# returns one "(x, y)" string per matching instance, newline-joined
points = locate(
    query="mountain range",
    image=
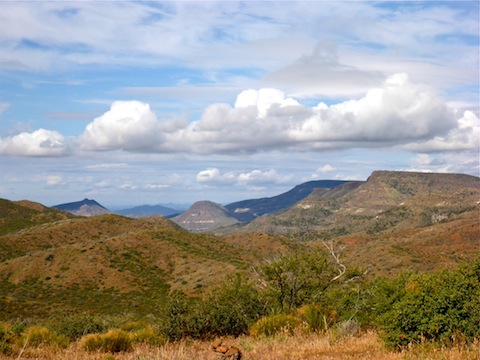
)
(52, 260)
(206, 215)
(209, 216)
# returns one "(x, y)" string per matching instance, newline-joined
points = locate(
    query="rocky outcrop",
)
(226, 351)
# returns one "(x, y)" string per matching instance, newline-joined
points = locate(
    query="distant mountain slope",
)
(247, 210)
(86, 207)
(205, 216)
(148, 210)
(17, 215)
(388, 200)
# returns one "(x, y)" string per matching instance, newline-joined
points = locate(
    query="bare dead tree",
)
(341, 268)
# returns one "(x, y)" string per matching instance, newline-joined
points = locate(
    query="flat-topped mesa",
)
(410, 183)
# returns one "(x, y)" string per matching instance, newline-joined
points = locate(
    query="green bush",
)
(439, 307)
(177, 320)
(74, 326)
(227, 310)
(114, 341)
(274, 324)
(294, 279)
(233, 307)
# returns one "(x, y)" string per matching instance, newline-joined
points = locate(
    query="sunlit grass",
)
(299, 346)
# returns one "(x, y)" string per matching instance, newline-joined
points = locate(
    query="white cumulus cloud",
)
(213, 175)
(128, 125)
(262, 100)
(37, 143)
(465, 136)
(258, 176)
(327, 168)
(400, 113)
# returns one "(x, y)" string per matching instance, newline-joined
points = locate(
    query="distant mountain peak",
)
(205, 216)
(85, 207)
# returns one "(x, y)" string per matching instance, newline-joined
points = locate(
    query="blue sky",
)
(135, 103)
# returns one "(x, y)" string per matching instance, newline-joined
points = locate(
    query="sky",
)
(133, 103)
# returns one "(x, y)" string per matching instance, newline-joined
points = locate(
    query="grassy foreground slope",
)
(298, 347)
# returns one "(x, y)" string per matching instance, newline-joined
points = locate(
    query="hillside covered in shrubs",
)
(292, 294)
(394, 261)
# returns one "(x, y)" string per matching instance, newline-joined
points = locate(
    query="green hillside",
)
(110, 264)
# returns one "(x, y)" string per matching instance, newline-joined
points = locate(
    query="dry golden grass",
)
(283, 347)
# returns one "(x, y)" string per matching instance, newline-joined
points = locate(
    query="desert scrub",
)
(275, 324)
(114, 341)
(37, 336)
(148, 335)
(317, 317)
(74, 326)
(144, 333)
(346, 328)
(9, 335)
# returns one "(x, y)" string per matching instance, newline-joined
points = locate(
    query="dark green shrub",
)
(435, 307)
(376, 298)
(233, 307)
(228, 310)
(292, 280)
(178, 319)
(74, 326)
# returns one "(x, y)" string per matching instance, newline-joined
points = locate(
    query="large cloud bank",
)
(400, 113)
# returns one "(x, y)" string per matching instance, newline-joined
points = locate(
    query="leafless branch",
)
(336, 256)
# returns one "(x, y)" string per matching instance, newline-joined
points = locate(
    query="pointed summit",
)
(86, 207)
(205, 216)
